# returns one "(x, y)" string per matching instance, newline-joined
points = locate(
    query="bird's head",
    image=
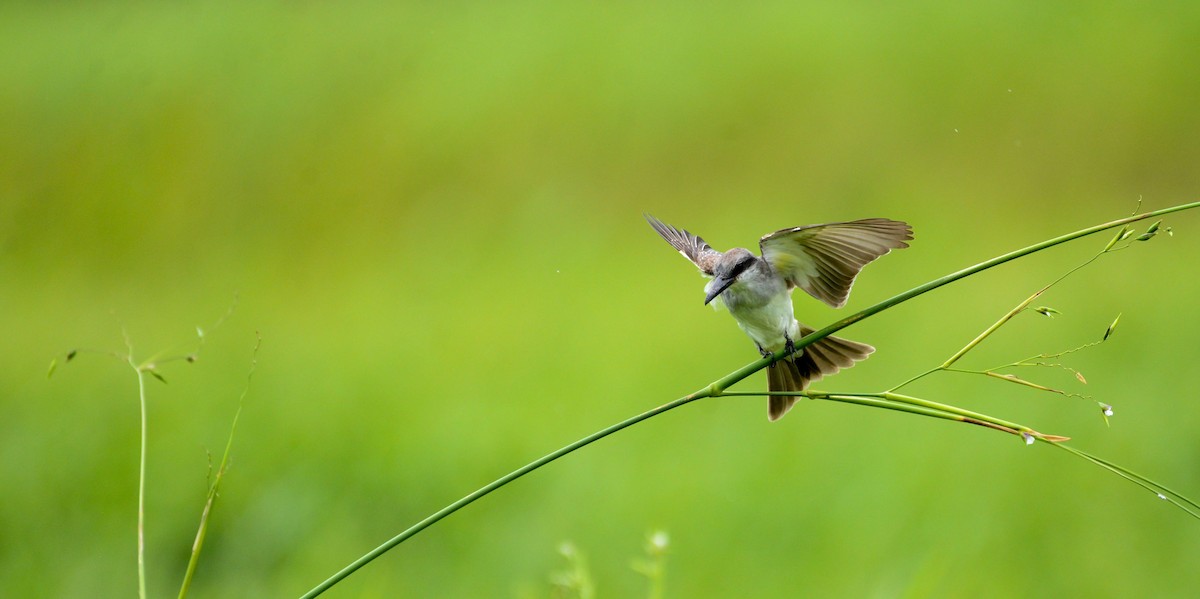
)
(729, 267)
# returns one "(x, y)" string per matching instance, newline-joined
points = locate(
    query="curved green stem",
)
(500, 482)
(716, 388)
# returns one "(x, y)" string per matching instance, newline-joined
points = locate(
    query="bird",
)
(823, 260)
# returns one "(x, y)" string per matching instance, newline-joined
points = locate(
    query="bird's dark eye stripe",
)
(742, 266)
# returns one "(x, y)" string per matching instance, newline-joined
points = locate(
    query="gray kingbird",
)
(823, 260)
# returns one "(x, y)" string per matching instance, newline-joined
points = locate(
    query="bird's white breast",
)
(762, 306)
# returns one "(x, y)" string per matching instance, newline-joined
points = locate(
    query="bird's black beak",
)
(719, 285)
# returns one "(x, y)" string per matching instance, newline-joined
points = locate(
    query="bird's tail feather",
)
(820, 359)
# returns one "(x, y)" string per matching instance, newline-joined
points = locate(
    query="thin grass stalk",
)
(141, 517)
(1166, 494)
(209, 501)
(215, 488)
(1021, 307)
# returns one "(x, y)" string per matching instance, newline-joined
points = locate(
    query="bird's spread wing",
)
(824, 259)
(692, 247)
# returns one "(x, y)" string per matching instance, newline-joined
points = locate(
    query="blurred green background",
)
(432, 215)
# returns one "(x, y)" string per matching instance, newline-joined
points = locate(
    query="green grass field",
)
(433, 217)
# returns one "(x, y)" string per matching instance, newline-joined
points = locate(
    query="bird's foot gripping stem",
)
(764, 353)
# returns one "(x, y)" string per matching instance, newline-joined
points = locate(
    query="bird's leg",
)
(789, 348)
